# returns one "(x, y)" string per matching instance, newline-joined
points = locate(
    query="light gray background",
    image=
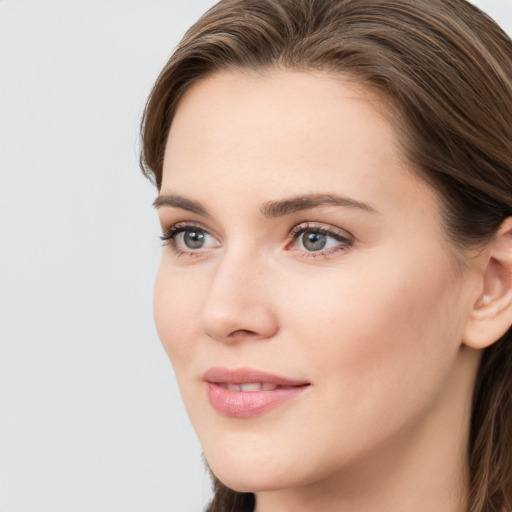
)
(90, 416)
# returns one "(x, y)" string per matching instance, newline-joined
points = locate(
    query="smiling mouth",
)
(250, 386)
(248, 379)
(245, 393)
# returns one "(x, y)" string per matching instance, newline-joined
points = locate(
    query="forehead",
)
(283, 129)
(276, 104)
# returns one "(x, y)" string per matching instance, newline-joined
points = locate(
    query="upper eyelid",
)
(172, 232)
(301, 225)
(183, 225)
(340, 234)
(325, 228)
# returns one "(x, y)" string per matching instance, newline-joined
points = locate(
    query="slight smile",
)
(244, 392)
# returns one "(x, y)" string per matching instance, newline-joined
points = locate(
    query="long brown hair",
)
(445, 70)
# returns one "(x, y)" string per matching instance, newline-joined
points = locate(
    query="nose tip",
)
(238, 306)
(233, 326)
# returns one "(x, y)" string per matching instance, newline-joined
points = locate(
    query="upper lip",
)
(248, 375)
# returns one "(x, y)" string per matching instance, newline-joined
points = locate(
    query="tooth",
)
(234, 387)
(251, 386)
(267, 386)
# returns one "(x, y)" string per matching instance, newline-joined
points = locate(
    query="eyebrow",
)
(176, 201)
(272, 209)
(308, 202)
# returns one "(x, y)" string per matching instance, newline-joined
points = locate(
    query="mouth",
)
(248, 386)
(245, 393)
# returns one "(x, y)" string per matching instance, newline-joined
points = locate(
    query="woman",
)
(335, 291)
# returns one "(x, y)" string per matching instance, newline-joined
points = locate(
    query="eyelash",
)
(345, 240)
(170, 234)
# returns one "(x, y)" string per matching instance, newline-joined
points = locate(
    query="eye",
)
(313, 241)
(193, 239)
(186, 238)
(317, 239)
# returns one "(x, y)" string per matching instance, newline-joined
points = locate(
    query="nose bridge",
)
(238, 303)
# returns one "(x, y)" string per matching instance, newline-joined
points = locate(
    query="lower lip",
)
(247, 404)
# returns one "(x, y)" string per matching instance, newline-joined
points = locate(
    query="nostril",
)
(241, 334)
(245, 332)
(228, 317)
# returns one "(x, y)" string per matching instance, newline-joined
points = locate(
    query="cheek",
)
(175, 307)
(378, 331)
(387, 293)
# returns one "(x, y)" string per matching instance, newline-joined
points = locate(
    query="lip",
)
(247, 404)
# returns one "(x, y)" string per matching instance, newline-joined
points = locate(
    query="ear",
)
(491, 314)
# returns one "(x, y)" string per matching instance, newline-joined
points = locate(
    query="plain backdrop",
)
(90, 415)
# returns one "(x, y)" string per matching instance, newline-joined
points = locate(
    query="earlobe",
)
(491, 315)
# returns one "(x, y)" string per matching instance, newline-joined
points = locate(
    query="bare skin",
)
(387, 334)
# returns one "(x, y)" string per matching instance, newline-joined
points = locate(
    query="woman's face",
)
(306, 296)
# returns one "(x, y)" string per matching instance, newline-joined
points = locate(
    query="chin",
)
(258, 474)
(252, 481)
(244, 477)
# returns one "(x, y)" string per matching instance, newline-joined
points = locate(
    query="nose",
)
(238, 305)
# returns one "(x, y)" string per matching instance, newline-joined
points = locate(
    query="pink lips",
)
(244, 393)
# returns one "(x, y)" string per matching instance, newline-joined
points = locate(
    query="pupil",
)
(194, 239)
(314, 241)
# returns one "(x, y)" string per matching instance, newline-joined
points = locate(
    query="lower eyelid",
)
(172, 232)
(333, 252)
(173, 238)
(343, 241)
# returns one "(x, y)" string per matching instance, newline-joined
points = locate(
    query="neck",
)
(424, 467)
